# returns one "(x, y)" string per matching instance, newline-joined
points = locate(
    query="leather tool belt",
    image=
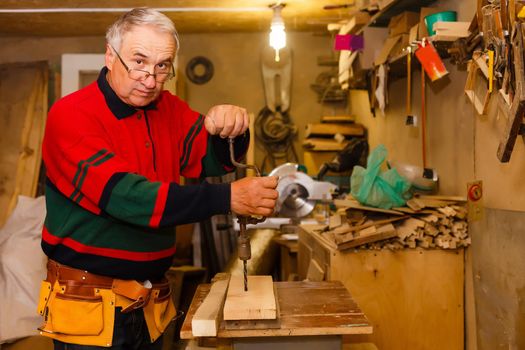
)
(79, 307)
(81, 280)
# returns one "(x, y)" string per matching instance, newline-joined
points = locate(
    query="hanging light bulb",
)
(277, 33)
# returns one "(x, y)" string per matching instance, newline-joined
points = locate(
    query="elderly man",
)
(114, 153)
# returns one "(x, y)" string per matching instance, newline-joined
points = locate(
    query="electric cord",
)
(275, 132)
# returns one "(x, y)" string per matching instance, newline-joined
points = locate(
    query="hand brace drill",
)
(243, 242)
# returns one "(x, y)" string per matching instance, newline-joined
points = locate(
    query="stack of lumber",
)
(324, 140)
(427, 222)
(332, 134)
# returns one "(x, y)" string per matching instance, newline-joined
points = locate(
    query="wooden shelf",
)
(382, 17)
(397, 65)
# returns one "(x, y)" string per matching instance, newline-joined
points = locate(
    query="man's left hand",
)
(227, 121)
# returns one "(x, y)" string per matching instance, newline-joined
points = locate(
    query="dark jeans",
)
(129, 333)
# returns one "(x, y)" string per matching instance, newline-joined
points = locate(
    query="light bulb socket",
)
(279, 5)
(277, 8)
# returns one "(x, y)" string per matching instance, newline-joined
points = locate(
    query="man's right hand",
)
(253, 196)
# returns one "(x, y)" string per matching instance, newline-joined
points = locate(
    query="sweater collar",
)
(118, 107)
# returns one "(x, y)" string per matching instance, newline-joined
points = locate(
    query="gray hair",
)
(136, 17)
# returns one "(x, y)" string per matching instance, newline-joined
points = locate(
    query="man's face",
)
(142, 48)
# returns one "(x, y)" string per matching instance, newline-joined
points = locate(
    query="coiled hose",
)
(275, 132)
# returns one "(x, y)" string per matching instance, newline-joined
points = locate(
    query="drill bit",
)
(244, 248)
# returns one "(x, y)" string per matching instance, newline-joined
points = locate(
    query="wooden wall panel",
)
(498, 243)
(23, 110)
(413, 298)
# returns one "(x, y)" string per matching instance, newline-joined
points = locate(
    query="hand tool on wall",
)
(423, 119)
(462, 49)
(491, 69)
(243, 242)
(410, 119)
(515, 110)
(274, 128)
(504, 16)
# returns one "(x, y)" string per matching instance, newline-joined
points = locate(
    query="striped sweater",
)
(113, 196)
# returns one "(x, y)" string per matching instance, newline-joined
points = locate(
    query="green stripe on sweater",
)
(97, 159)
(133, 199)
(81, 163)
(190, 143)
(83, 177)
(67, 219)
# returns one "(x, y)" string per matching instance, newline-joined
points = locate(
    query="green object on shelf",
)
(445, 16)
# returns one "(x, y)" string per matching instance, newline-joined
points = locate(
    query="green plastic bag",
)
(379, 189)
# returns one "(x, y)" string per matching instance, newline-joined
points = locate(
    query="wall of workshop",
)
(461, 146)
(236, 58)
(26, 49)
(238, 77)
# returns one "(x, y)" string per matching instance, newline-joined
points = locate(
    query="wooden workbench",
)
(305, 309)
(412, 297)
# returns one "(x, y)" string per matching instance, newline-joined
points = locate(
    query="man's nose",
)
(149, 82)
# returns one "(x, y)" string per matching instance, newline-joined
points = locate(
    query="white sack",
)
(22, 268)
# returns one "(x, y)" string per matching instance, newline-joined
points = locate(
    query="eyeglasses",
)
(138, 74)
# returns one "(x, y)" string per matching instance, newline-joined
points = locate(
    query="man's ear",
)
(109, 57)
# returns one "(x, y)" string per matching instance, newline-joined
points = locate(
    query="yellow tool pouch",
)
(43, 299)
(77, 314)
(159, 312)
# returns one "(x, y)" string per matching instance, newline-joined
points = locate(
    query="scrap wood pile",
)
(427, 222)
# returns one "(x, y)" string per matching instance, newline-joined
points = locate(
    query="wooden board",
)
(190, 16)
(345, 203)
(258, 303)
(315, 272)
(23, 111)
(332, 129)
(305, 308)
(477, 80)
(498, 268)
(338, 119)
(516, 109)
(369, 235)
(444, 198)
(254, 324)
(371, 223)
(206, 320)
(319, 144)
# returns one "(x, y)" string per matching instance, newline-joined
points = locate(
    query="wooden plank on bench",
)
(206, 320)
(258, 303)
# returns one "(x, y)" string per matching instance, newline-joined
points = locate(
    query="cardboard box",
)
(373, 37)
(401, 45)
(392, 47)
(402, 23)
(453, 30)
